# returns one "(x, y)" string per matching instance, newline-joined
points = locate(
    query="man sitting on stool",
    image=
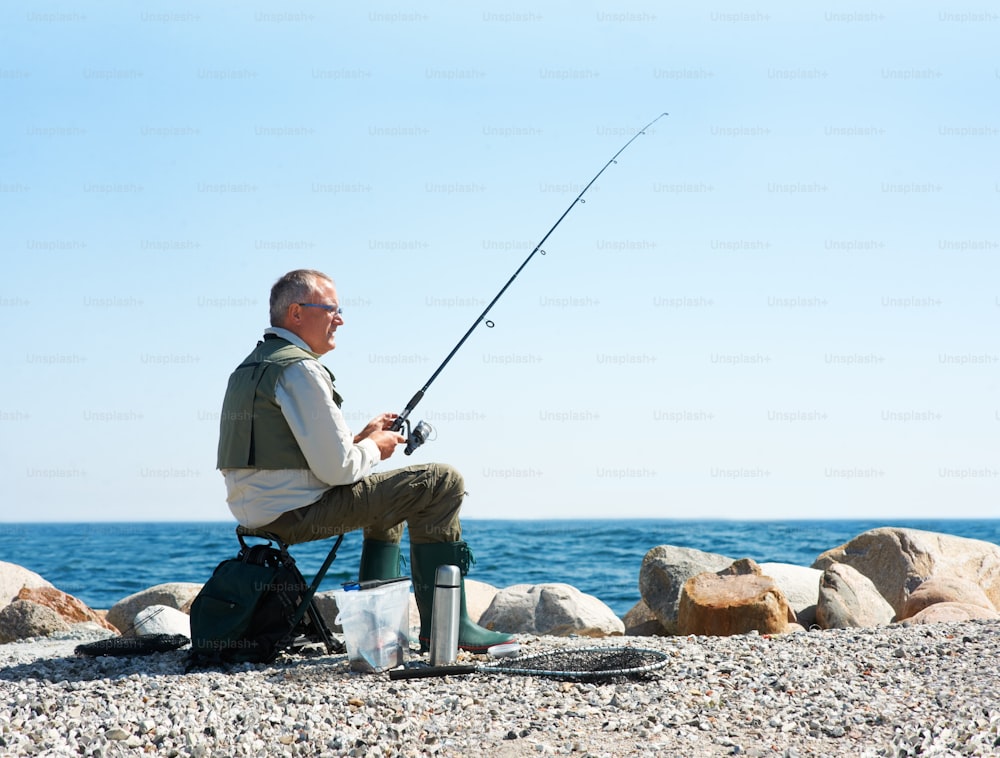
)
(293, 468)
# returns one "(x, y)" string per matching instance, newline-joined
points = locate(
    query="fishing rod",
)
(417, 435)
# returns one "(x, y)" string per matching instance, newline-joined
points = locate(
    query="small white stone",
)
(162, 619)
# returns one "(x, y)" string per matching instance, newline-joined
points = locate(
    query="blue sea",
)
(100, 563)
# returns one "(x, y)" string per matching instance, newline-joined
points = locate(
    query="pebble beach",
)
(929, 690)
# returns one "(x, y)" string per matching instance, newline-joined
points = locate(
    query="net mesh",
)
(590, 664)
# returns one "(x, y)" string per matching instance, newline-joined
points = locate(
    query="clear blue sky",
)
(782, 302)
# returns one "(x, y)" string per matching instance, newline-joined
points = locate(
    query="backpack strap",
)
(265, 555)
(256, 553)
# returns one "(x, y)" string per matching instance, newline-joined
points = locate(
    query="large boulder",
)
(801, 587)
(944, 589)
(898, 560)
(478, 597)
(72, 610)
(557, 609)
(177, 595)
(22, 619)
(662, 575)
(735, 600)
(949, 612)
(13, 578)
(848, 598)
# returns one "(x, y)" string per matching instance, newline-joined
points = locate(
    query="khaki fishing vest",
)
(253, 432)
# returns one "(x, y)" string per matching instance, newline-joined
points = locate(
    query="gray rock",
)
(177, 595)
(555, 609)
(847, 598)
(899, 560)
(640, 621)
(478, 597)
(22, 619)
(801, 587)
(326, 604)
(663, 573)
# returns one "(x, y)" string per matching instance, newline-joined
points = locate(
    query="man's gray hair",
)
(294, 287)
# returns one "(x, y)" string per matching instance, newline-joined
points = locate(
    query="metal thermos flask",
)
(444, 616)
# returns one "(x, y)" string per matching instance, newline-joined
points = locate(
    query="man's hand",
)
(386, 441)
(378, 431)
(382, 422)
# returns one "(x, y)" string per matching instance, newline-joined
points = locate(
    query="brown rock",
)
(736, 600)
(899, 560)
(943, 612)
(944, 589)
(72, 610)
(13, 578)
(662, 575)
(741, 567)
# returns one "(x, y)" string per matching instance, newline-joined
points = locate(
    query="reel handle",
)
(416, 436)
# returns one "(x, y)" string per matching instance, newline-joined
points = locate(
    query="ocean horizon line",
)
(888, 520)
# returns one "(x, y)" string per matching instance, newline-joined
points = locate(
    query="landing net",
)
(584, 664)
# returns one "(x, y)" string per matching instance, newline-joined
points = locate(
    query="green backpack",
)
(254, 607)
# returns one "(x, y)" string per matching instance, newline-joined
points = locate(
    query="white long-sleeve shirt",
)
(257, 497)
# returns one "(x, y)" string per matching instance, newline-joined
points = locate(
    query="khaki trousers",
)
(426, 497)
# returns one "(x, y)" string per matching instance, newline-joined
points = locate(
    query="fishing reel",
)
(417, 436)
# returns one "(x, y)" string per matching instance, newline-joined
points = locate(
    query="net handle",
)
(421, 672)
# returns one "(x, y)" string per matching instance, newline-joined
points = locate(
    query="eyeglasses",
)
(335, 310)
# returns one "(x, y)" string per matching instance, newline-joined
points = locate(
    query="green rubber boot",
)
(379, 560)
(424, 561)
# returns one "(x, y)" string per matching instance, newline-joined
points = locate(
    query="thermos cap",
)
(448, 576)
(504, 650)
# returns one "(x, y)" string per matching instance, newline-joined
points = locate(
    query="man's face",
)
(316, 325)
